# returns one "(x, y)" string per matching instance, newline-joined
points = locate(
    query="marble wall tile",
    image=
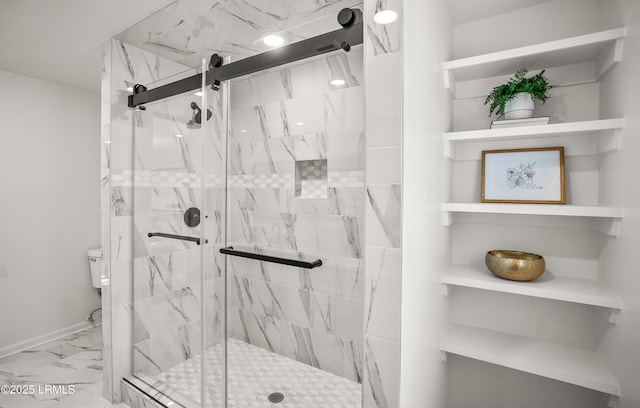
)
(382, 374)
(214, 311)
(261, 331)
(384, 87)
(331, 235)
(382, 38)
(353, 360)
(158, 354)
(338, 316)
(135, 399)
(153, 276)
(152, 317)
(313, 348)
(384, 165)
(383, 293)
(346, 151)
(340, 277)
(200, 27)
(294, 81)
(384, 132)
(384, 84)
(384, 226)
(340, 236)
(336, 111)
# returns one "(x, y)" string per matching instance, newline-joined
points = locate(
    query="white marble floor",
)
(46, 373)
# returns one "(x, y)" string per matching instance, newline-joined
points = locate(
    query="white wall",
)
(50, 211)
(619, 186)
(544, 22)
(425, 254)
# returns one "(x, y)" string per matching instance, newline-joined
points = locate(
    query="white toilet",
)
(95, 262)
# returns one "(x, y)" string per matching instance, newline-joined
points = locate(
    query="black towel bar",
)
(274, 259)
(180, 237)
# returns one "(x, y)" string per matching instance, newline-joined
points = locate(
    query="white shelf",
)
(548, 286)
(607, 218)
(563, 363)
(605, 48)
(607, 131)
(535, 209)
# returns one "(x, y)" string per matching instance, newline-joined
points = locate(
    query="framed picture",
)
(531, 176)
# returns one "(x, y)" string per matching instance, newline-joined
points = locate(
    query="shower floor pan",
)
(255, 373)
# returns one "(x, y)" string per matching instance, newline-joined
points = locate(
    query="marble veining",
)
(383, 293)
(186, 30)
(382, 382)
(383, 38)
(73, 360)
(384, 203)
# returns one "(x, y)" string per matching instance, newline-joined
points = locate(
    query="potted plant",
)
(515, 98)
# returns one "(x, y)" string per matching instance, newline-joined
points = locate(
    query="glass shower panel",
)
(174, 231)
(296, 191)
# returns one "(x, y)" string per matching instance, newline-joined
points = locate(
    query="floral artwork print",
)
(521, 177)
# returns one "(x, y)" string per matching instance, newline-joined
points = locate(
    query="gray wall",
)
(50, 217)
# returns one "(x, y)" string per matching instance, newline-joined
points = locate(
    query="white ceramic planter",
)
(520, 107)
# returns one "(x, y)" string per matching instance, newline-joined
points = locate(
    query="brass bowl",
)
(515, 265)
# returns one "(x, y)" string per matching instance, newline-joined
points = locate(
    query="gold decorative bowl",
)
(515, 265)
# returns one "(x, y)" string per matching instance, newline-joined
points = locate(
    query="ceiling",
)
(60, 40)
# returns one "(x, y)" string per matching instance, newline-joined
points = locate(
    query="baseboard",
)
(45, 338)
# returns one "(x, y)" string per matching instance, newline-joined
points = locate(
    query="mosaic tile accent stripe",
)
(254, 373)
(336, 179)
(150, 178)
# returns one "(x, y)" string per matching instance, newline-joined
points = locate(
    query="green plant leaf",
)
(538, 86)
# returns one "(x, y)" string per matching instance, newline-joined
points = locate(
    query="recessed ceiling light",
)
(178, 135)
(273, 40)
(107, 141)
(130, 89)
(338, 82)
(243, 131)
(299, 123)
(199, 93)
(385, 16)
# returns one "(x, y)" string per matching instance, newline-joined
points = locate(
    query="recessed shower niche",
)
(311, 179)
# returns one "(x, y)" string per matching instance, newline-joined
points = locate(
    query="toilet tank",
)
(95, 263)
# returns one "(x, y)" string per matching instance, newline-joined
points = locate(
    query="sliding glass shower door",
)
(178, 191)
(247, 269)
(296, 193)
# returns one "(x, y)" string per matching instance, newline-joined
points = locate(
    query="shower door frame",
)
(217, 79)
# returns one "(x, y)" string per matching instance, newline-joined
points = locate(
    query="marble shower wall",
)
(153, 292)
(383, 271)
(185, 30)
(277, 119)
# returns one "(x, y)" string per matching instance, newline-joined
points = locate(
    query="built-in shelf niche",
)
(607, 219)
(572, 365)
(549, 286)
(594, 54)
(311, 179)
(584, 138)
(571, 61)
